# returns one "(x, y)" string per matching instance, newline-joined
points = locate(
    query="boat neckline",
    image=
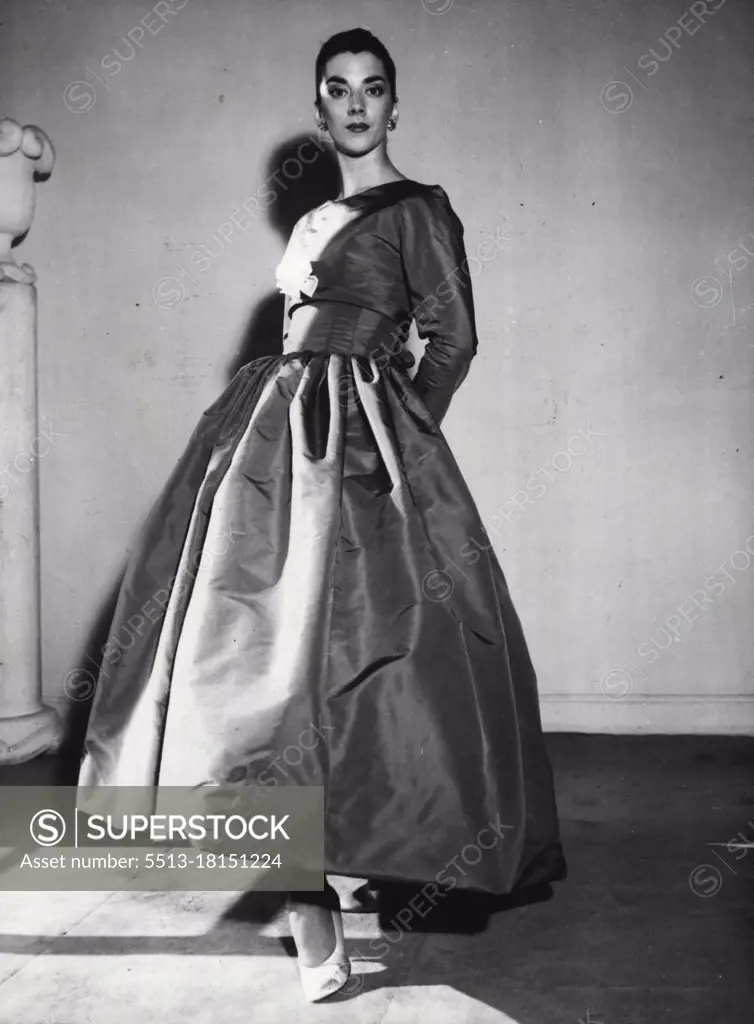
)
(383, 184)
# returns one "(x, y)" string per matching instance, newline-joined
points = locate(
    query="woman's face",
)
(355, 102)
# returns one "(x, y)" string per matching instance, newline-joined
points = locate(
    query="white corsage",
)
(294, 275)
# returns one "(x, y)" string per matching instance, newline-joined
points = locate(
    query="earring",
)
(321, 131)
(391, 124)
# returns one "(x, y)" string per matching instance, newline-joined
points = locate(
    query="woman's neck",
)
(360, 173)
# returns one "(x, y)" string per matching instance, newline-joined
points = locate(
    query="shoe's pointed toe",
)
(326, 979)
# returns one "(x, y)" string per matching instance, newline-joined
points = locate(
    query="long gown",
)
(312, 600)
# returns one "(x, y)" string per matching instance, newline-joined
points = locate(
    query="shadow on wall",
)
(313, 183)
(317, 182)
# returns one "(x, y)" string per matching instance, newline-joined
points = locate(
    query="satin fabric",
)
(304, 607)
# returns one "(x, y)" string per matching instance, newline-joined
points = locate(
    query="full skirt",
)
(313, 600)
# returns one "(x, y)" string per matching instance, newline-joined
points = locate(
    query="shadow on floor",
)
(654, 923)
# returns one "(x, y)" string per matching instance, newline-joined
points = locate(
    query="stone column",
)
(27, 727)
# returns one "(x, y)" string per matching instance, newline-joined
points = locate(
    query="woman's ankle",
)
(310, 916)
(326, 898)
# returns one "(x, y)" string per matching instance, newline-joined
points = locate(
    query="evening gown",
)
(313, 599)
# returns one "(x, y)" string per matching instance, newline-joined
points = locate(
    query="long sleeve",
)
(440, 294)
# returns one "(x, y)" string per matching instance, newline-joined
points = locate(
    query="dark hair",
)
(356, 40)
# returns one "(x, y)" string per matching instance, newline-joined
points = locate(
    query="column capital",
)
(26, 156)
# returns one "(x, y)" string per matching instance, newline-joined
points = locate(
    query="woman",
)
(332, 599)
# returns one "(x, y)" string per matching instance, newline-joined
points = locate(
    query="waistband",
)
(343, 329)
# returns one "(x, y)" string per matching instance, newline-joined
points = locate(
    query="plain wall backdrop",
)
(605, 428)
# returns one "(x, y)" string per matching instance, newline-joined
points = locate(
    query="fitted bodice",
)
(357, 272)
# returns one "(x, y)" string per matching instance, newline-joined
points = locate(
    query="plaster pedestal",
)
(27, 727)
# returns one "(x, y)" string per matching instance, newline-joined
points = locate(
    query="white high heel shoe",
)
(331, 975)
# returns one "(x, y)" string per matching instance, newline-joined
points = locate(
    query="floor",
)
(654, 924)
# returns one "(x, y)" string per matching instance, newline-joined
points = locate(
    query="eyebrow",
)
(342, 81)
